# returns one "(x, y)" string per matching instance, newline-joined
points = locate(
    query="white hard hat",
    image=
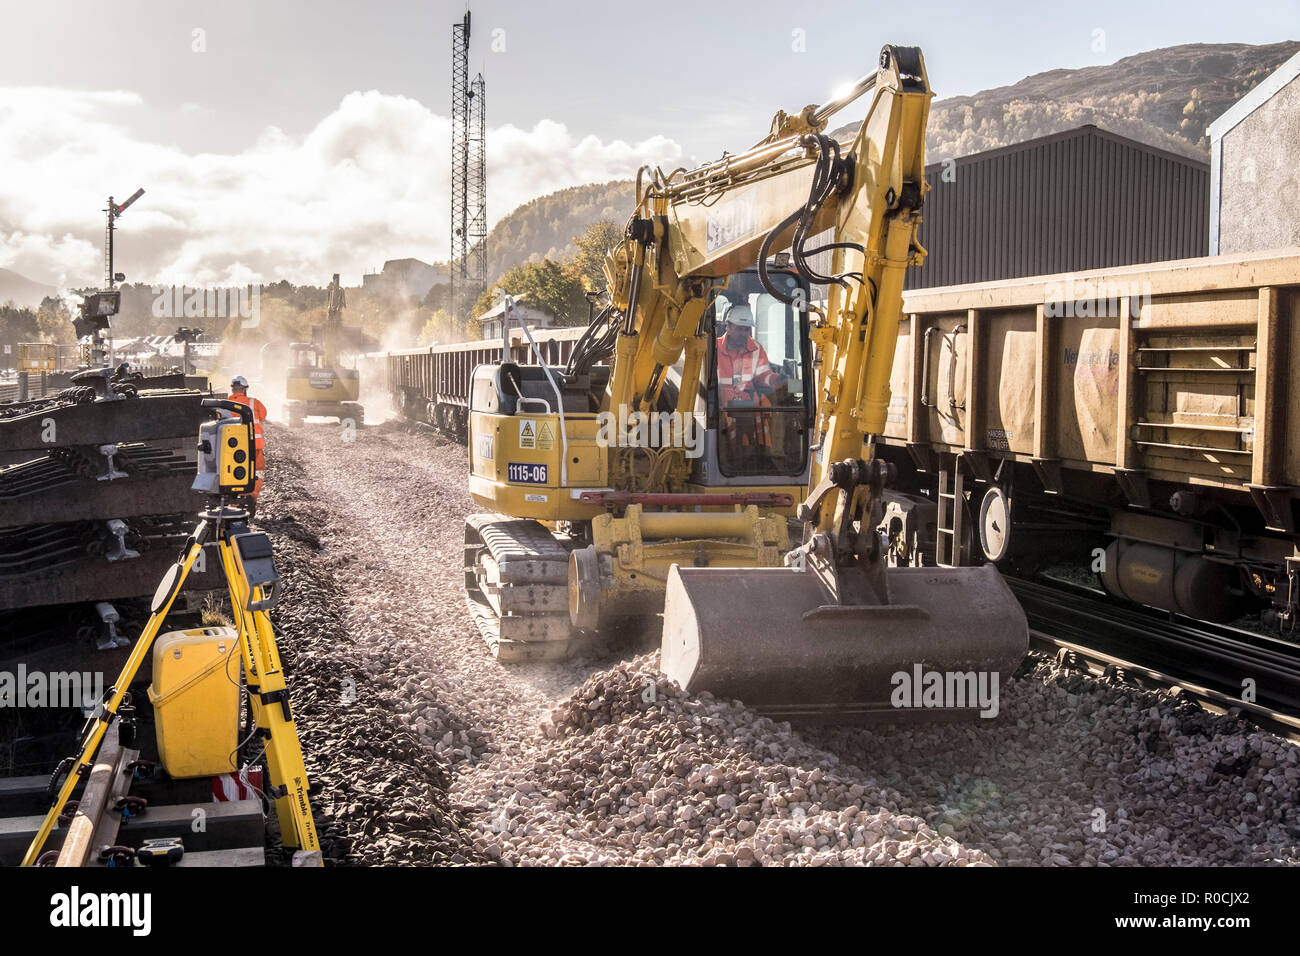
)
(739, 314)
(239, 381)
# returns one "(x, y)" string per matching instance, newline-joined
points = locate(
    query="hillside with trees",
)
(545, 228)
(22, 292)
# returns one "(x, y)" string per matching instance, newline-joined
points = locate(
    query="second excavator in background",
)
(715, 405)
(317, 383)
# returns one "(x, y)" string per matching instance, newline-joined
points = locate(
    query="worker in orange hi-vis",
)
(239, 393)
(745, 380)
(745, 373)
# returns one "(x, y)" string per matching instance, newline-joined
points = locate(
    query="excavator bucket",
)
(942, 647)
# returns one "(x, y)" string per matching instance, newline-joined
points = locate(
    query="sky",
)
(296, 138)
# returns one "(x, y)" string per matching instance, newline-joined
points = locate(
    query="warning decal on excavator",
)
(545, 437)
(528, 433)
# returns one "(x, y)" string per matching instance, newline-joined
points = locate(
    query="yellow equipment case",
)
(196, 700)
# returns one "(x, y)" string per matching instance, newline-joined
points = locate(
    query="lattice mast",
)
(476, 191)
(468, 178)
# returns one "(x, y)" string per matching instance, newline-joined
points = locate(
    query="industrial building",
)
(403, 278)
(1068, 202)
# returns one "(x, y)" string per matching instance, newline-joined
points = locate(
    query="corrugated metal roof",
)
(1081, 199)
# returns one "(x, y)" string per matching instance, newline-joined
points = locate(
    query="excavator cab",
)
(759, 403)
(313, 386)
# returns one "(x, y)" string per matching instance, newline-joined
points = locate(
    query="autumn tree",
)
(438, 297)
(595, 241)
(55, 321)
(546, 285)
(17, 325)
(440, 329)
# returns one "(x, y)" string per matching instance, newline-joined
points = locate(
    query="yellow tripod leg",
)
(269, 696)
(162, 602)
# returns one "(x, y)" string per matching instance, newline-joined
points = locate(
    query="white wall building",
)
(1255, 167)
(490, 321)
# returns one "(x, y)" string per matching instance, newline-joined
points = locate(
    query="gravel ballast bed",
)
(382, 796)
(601, 761)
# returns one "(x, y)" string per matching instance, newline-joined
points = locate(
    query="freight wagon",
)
(432, 384)
(1145, 419)
(1141, 420)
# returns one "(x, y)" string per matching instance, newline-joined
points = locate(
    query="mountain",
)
(22, 291)
(1164, 98)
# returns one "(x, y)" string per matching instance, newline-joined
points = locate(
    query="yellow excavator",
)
(316, 382)
(712, 407)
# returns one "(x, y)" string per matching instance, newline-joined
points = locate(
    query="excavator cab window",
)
(303, 356)
(760, 371)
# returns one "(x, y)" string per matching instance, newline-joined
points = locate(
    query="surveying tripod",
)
(226, 469)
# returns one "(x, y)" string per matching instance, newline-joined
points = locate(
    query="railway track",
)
(125, 804)
(1225, 669)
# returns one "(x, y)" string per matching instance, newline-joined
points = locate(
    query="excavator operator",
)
(745, 373)
(745, 381)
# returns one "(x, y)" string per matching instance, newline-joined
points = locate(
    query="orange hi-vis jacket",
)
(742, 372)
(259, 439)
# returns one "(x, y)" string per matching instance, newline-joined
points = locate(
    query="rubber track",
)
(532, 572)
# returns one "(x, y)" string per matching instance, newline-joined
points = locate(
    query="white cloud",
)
(44, 256)
(370, 182)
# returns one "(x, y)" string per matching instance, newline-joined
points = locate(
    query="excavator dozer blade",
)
(768, 637)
